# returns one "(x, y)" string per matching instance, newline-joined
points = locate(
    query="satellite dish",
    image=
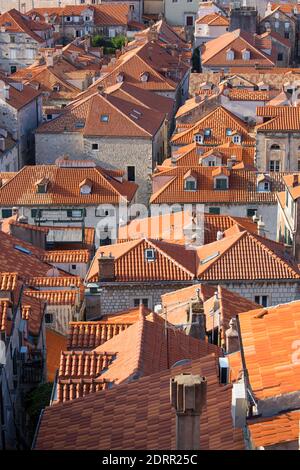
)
(2, 353)
(53, 272)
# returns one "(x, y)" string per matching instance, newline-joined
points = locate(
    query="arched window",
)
(275, 147)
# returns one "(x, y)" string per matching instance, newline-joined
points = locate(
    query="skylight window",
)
(210, 257)
(79, 125)
(22, 249)
(207, 132)
(104, 118)
(228, 131)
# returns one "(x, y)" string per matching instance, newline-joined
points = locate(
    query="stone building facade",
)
(280, 23)
(113, 153)
(277, 151)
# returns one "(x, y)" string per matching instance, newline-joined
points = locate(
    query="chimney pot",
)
(232, 337)
(106, 268)
(188, 397)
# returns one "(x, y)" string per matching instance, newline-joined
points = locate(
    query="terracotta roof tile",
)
(213, 19)
(5, 316)
(45, 282)
(172, 262)
(88, 335)
(13, 21)
(63, 187)
(214, 51)
(33, 311)
(218, 121)
(55, 297)
(242, 189)
(141, 411)
(283, 118)
(55, 344)
(66, 256)
(8, 281)
(278, 429)
(267, 337)
(19, 98)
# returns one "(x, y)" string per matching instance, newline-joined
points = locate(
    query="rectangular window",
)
(95, 146)
(189, 21)
(48, 317)
(214, 210)
(131, 173)
(261, 300)
(74, 213)
(6, 213)
(74, 266)
(251, 212)
(12, 39)
(12, 53)
(145, 302)
(34, 213)
(190, 185)
(274, 165)
(280, 57)
(221, 183)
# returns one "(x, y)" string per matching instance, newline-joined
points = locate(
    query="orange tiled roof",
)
(267, 336)
(172, 261)
(63, 187)
(278, 429)
(23, 257)
(169, 187)
(139, 350)
(5, 320)
(177, 304)
(146, 412)
(126, 117)
(14, 22)
(164, 70)
(8, 281)
(218, 121)
(283, 118)
(80, 374)
(106, 14)
(19, 98)
(242, 255)
(214, 51)
(170, 227)
(213, 19)
(251, 95)
(40, 281)
(193, 154)
(55, 344)
(54, 297)
(32, 311)
(89, 335)
(66, 256)
(286, 7)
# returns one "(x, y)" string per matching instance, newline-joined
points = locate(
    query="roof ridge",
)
(169, 257)
(274, 255)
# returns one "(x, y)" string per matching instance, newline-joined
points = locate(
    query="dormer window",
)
(149, 254)
(221, 178)
(246, 54)
(263, 184)
(86, 186)
(144, 77)
(221, 183)
(56, 87)
(41, 185)
(237, 139)
(190, 181)
(104, 118)
(229, 54)
(199, 138)
(120, 78)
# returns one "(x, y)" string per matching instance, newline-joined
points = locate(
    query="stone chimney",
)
(106, 268)
(49, 57)
(196, 320)
(232, 337)
(220, 235)
(152, 34)
(188, 397)
(6, 89)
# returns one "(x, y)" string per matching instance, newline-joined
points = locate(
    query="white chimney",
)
(219, 235)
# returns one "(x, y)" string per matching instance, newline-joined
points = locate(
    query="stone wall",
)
(121, 297)
(288, 154)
